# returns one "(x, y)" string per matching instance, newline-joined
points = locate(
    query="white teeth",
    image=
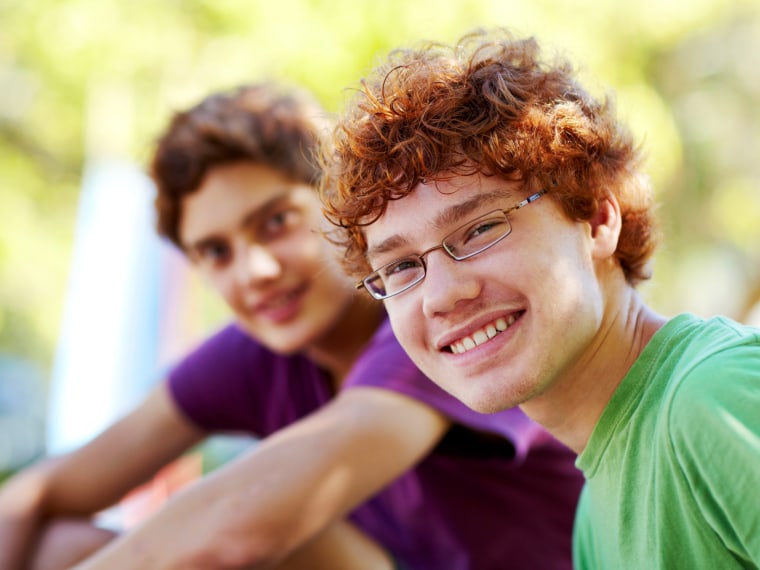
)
(483, 335)
(279, 301)
(480, 337)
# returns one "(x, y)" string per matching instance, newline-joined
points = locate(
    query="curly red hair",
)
(489, 104)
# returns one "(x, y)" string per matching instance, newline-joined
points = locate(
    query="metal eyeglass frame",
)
(364, 283)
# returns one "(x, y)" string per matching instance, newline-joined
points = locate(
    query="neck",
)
(574, 404)
(337, 351)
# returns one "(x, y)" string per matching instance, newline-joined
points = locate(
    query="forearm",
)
(270, 502)
(231, 519)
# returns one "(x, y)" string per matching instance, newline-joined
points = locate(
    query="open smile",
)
(482, 335)
(282, 306)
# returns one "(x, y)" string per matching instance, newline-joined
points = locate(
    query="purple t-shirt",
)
(496, 492)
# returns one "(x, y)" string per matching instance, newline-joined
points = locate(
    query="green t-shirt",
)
(673, 465)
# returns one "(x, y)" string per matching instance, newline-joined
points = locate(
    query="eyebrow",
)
(456, 212)
(249, 218)
(447, 217)
(264, 208)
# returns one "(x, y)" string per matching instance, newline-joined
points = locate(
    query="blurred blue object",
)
(22, 413)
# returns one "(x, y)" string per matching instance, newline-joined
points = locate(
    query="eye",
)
(279, 223)
(214, 254)
(483, 231)
(491, 226)
(400, 266)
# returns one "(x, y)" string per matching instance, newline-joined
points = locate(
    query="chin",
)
(286, 342)
(295, 340)
(485, 399)
(483, 404)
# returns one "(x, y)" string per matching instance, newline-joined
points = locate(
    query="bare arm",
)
(269, 502)
(93, 477)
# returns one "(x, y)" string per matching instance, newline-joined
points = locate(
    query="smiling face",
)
(507, 325)
(254, 234)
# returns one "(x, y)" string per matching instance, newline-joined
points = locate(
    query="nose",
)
(257, 264)
(447, 282)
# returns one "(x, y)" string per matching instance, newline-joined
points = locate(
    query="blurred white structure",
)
(127, 313)
(107, 354)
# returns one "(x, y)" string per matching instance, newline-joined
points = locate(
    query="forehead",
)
(432, 208)
(231, 192)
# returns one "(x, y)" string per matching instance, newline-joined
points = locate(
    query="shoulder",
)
(710, 426)
(721, 364)
(229, 339)
(227, 348)
(383, 363)
(713, 397)
(232, 382)
(228, 358)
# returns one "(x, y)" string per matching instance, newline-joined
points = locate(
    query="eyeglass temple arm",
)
(528, 200)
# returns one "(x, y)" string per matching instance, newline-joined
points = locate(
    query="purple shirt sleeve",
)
(384, 364)
(233, 383)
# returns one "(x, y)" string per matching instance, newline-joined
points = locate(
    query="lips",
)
(482, 335)
(280, 306)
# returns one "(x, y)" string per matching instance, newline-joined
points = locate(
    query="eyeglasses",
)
(467, 241)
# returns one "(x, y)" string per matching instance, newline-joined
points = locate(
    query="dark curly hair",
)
(488, 104)
(262, 123)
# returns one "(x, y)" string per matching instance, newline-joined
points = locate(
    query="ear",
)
(605, 228)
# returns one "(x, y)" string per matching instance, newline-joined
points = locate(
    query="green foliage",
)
(82, 78)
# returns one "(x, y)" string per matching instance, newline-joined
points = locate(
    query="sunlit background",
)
(92, 309)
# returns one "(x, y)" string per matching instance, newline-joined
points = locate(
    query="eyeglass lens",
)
(469, 240)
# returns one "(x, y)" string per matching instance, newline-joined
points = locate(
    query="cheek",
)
(571, 295)
(407, 326)
(302, 252)
(224, 285)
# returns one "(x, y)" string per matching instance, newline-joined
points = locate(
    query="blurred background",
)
(93, 308)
